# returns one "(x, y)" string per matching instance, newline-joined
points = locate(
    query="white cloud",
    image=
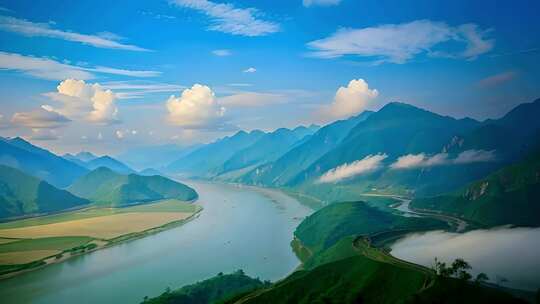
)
(139, 89)
(368, 164)
(119, 134)
(42, 118)
(421, 160)
(222, 52)
(349, 100)
(475, 156)
(227, 18)
(497, 79)
(398, 43)
(43, 134)
(250, 70)
(46, 68)
(81, 100)
(308, 3)
(251, 99)
(32, 29)
(196, 108)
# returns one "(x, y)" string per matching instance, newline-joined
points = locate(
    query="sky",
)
(107, 76)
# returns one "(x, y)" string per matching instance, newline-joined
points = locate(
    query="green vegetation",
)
(169, 205)
(213, 290)
(327, 226)
(22, 194)
(105, 187)
(50, 243)
(508, 196)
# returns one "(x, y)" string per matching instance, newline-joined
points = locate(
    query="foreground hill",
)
(38, 162)
(22, 194)
(508, 196)
(106, 187)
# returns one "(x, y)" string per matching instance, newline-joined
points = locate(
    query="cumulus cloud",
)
(398, 43)
(251, 99)
(46, 68)
(81, 100)
(475, 156)
(196, 108)
(250, 70)
(308, 3)
(368, 164)
(497, 79)
(42, 118)
(222, 53)
(32, 29)
(350, 100)
(422, 160)
(227, 18)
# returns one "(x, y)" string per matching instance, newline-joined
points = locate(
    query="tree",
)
(481, 278)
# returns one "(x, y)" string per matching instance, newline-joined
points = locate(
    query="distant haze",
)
(512, 253)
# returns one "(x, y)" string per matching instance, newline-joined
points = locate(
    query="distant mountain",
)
(38, 162)
(109, 162)
(290, 164)
(509, 196)
(103, 186)
(204, 160)
(268, 148)
(512, 135)
(80, 158)
(154, 156)
(22, 194)
(150, 172)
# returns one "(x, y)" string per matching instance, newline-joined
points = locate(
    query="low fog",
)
(510, 253)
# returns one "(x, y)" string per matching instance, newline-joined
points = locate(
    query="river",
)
(240, 228)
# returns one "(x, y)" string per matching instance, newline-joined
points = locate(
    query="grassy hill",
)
(106, 187)
(22, 194)
(508, 196)
(216, 289)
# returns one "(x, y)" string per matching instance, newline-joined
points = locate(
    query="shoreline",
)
(66, 255)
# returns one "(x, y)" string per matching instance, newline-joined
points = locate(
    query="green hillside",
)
(328, 225)
(20, 154)
(268, 148)
(22, 194)
(509, 196)
(106, 187)
(216, 289)
(296, 160)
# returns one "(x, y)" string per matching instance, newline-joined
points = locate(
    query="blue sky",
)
(251, 64)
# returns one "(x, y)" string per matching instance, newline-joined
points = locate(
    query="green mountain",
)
(268, 148)
(281, 171)
(108, 162)
(204, 161)
(213, 290)
(22, 194)
(106, 187)
(20, 154)
(507, 196)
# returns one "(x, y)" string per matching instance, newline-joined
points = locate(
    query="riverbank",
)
(59, 247)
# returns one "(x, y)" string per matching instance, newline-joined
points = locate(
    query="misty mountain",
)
(204, 160)
(154, 156)
(22, 194)
(38, 162)
(109, 162)
(268, 148)
(304, 154)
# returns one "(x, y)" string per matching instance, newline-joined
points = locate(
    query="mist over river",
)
(240, 228)
(510, 253)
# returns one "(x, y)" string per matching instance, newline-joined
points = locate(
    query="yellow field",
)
(5, 241)
(102, 227)
(23, 257)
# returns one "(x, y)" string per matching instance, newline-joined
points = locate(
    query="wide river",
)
(240, 228)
